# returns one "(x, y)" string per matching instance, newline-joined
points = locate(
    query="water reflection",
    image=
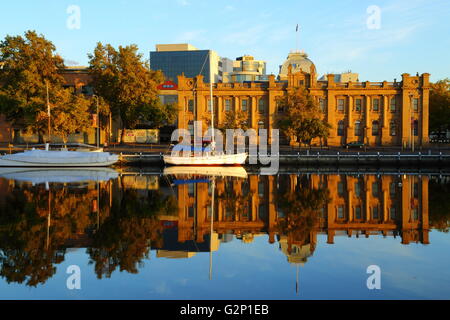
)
(120, 218)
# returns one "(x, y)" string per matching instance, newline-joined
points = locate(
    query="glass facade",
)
(174, 63)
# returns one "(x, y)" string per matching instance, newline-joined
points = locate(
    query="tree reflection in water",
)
(125, 238)
(34, 228)
(299, 207)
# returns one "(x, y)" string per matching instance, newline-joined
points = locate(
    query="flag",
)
(296, 28)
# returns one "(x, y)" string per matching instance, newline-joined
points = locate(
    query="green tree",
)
(29, 65)
(300, 117)
(126, 83)
(440, 106)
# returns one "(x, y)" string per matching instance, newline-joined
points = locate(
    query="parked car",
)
(354, 144)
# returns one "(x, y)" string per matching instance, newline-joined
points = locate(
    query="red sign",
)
(168, 85)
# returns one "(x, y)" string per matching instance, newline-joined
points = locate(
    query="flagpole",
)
(296, 38)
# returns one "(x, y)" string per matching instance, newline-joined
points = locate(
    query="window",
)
(416, 128)
(87, 90)
(392, 128)
(376, 104)
(280, 107)
(416, 190)
(261, 189)
(340, 189)
(340, 212)
(358, 213)
(191, 212)
(358, 131)
(392, 213)
(375, 213)
(322, 105)
(341, 105)
(191, 105)
(415, 104)
(191, 189)
(358, 105)
(415, 214)
(375, 128)
(375, 189)
(393, 106)
(262, 105)
(358, 189)
(340, 131)
(244, 104)
(392, 189)
(227, 104)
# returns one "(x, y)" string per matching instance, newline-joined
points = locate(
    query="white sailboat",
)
(49, 158)
(57, 158)
(210, 157)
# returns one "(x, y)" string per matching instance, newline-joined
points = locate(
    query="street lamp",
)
(97, 132)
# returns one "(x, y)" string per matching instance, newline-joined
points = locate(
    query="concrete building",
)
(246, 68)
(376, 113)
(176, 59)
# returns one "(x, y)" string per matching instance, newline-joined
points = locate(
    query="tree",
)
(300, 117)
(234, 120)
(29, 66)
(127, 84)
(440, 106)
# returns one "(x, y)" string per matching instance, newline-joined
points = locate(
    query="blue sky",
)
(413, 34)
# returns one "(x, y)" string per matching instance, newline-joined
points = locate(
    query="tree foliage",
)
(124, 81)
(234, 120)
(440, 106)
(28, 65)
(300, 117)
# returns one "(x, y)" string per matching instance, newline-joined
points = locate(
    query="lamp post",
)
(97, 131)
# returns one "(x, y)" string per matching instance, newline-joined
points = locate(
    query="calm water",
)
(148, 236)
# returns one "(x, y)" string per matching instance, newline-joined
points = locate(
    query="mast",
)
(213, 143)
(48, 111)
(213, 185)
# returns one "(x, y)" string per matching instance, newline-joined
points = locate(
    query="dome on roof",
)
(299, 62)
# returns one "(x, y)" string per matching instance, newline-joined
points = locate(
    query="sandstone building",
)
(376, 113)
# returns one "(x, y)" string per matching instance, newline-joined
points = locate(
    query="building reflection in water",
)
(119, 221)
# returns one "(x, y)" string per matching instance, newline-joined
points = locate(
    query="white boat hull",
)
(41, 158)
(207, 160)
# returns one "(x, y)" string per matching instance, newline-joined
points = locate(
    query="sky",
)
(378, 39)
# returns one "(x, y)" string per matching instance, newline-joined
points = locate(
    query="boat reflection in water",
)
(120, 218)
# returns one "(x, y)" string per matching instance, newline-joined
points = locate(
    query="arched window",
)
(375, 128)
(340, 130)
(393, 128)
(358, 128)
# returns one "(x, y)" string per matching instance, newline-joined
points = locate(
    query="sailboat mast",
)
(213, 187)
(211, 101)
(48, 111)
